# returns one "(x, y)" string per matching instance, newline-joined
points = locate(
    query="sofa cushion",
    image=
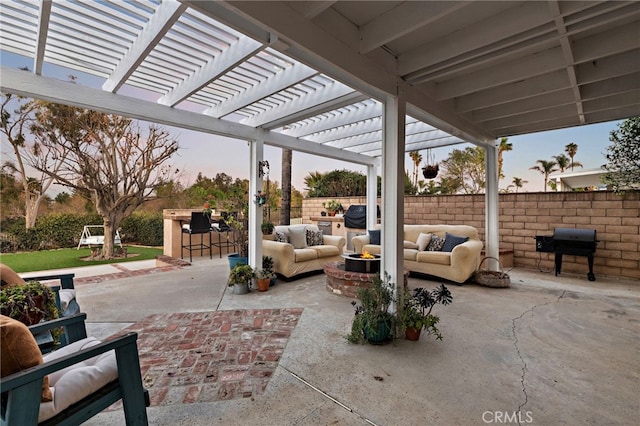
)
(435, 257)
(423, 241)
(372, 248)
(79, 380)
(410, 245)
(436, 243)
(314, 238)
(410, 254)
(374, 236)
(298, 237)
(450, 241)
(8, 277)
(20, 351)
(302, 255)
(326, 250)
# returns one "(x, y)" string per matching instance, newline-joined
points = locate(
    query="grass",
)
(69, 258)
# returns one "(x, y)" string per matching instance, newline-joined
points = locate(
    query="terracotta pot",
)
(332, 213)
(412, 333)
(263, 283)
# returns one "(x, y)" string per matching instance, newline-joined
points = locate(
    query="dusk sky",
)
(230, 155)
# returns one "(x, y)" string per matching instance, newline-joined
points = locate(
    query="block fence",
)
(615, 218)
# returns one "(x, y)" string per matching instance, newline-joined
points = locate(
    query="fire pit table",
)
(346, 283)
(354, 262)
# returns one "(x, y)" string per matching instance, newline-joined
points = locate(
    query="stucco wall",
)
(616, 220)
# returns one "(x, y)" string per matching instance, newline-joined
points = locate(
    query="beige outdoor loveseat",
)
(456, 265)
(301, 253)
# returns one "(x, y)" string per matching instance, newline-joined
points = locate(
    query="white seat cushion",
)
(74, 383)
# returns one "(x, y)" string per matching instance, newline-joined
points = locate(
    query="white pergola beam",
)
(165, 16)
(282, 80)
(41, 35)
(236, 53)
(30, 85)
(401, 20)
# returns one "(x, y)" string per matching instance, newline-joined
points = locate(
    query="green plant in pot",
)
(263, 279)
(417, 307)
(267, 227)
(30, 303)
(240, 278)
(332, 206)
(268, 265)
(373, 322)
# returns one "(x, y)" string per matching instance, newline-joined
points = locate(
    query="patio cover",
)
(359, 81)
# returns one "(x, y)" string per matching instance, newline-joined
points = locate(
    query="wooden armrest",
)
(74, 327)
(66, 280)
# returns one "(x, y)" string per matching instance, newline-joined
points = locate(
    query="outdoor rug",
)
(211, 356)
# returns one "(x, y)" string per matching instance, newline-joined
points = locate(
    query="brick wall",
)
(616, 220)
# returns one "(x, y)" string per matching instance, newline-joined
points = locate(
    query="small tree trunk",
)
(285, 211)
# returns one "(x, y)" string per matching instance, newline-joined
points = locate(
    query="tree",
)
(16, 127)
(572, 149)
(518, 182)
(336, 183)
(623, 157)
(466, 167)
(416, 157)
(562, 161)
(503, 147)
(285, 210)
(105, 158)
(546, 168)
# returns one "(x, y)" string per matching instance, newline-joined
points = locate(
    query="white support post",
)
(372, 196)
(256, 149)
(393, 141)
(491, 202)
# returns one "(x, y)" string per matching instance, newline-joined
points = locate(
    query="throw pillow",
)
(8, 277)
(436, 243)
(314, 238)
(410, 245)
(281, 237)
(423, 241)
(20, 351)
(374, 236)
(450, 241)
(298, 237)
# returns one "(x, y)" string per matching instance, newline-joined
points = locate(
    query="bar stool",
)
(222, 227)
(200, 224)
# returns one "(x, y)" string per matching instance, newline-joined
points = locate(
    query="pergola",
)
(360, 81)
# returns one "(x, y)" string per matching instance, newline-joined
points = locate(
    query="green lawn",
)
(69, 258)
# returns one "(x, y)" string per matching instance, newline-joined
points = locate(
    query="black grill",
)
(576, 242)
(356, 217)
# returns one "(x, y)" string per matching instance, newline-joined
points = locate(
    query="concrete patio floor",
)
(547, 351)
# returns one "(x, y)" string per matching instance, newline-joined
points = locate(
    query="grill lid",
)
(573, 234)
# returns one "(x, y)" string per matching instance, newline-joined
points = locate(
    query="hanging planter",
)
(430, 171)
(431, 168)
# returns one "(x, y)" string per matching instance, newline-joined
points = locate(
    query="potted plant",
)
(240, 278)
(263, 279)
(373, 322)
(267, 227)
(30, 303)
(416, 314)
(267, 264)
(332, 207)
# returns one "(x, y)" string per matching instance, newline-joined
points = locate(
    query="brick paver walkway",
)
(211, 356)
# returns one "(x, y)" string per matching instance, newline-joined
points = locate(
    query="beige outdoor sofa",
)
(299, 254)
(457, 265)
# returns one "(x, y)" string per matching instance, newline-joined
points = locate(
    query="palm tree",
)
(562, 161)
(519, 182)
(416, 157)
(285, 210)
(572, 149)
(546, 168)
(504, 146)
